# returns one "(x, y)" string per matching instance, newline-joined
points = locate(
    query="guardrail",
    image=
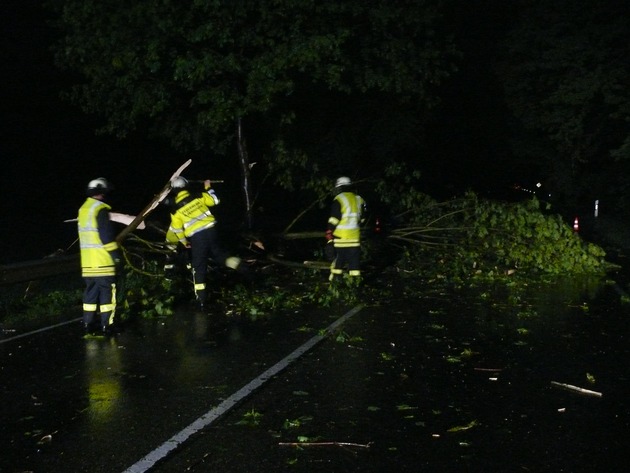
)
(39, 269)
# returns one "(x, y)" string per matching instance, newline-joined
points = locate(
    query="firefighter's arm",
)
(210, 198)
(107, 235)
(363, 211)
(333, 221)
(335, 217)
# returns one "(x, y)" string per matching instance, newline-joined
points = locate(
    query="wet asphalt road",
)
(99, 405)
(443, 385)
(436, 383)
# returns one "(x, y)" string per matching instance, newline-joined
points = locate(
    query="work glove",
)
(119, 265)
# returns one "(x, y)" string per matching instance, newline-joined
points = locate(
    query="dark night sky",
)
(31, 133)
(49, 149)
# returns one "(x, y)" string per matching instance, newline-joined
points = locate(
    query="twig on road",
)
(324, 444)
(570, 387)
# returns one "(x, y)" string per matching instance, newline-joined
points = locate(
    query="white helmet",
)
(179, 183)
(343, 181)
(99, 185)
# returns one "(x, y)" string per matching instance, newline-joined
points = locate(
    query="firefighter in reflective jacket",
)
(194, 226)
(344, 229)
(100, 257)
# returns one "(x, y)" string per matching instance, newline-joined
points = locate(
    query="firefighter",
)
(100, 257)
(194, 226)
(344, 230)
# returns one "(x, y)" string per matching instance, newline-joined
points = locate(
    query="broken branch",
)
(570, 387)
(324, 444)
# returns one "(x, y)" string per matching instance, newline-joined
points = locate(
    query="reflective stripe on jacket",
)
(347, 229)
(96, 257)
(192, 215)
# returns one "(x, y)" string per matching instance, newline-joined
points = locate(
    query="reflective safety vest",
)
(347, 231)
(96, 259)
(191, 215)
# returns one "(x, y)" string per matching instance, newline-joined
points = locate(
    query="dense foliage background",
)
(514, 93)
(280, 97)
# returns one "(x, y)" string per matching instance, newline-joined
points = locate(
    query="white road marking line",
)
(205, 420)
(40, 330)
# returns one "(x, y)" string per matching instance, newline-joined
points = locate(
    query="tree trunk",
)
(245, 172)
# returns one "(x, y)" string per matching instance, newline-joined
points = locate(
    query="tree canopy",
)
(207, 75)
(189, 70)
(325, 86)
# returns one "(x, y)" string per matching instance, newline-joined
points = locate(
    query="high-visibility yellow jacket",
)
(191, 215)
(99, 249)
(345, 219)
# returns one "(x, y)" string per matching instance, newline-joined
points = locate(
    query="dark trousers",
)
(99, 296)
(204, 245)
(346, 258)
